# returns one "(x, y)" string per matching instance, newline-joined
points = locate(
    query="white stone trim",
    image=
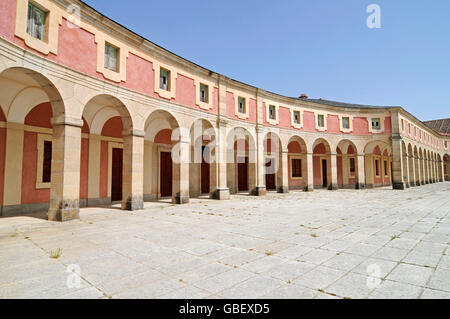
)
(203, 105)
(325, 122)
(171, 94)
(275, 121)
(350, 123)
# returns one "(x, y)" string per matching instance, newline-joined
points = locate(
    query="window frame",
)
(33, 5)
(244, 106)
(352, 167)
(321, 116)
(117, 68)
(292, 159)
(272, 112)
(206, 95)
(376, 127)
(346, 118)
(168, 78)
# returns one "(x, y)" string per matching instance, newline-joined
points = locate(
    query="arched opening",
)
(105, 118)
(378, 164)
(446, 160)
(298, 171)
(32, 148)
(416, 166)
(347, 165)
(272, 161)
(201, 165)
(241, 161)
(161, 171)
(322, 164)
(421, 167)
(440, 168)
(412, 178)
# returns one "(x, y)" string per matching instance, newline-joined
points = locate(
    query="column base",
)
(309, 188)
(259, 191)
(221, 194)
(180, 199)
(399, 186)
(412, 184)
(333, 187)
(360, 186)
(283, 189)
(70, 211)
(418, 184)
(133, 203)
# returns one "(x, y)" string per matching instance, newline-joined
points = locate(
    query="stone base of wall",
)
(399, 186)
(17, 210)
(283, 189)
(259, 191)
(221, 194)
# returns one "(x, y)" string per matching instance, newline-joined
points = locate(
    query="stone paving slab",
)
(374, 243)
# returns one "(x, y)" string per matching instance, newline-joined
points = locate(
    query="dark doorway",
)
(205, 170)
(116, 176)
(243, 174)
(324, 173)
(270, 177)
(166, 174)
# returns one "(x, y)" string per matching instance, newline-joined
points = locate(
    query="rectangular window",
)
(376, 124)
(164, 79)
(377, 167)
(296, 117)
(296, 168)
(204, 93)
(320, 121)
(403, 125)
(111, 57)
(346, 122)
(47, 163)
(446, 144)
(352, 165)
(36, 22)
(272, 115)
(241, 105)
(385, 168)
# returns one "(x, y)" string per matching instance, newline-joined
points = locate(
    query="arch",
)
(412, 178)
(241, 160)
(31, 82)
(322, 169)
(101, 108)
(446, 160)
(24, 102)
(378, 163)
(157, 121)
(347, 164)
(202, 163)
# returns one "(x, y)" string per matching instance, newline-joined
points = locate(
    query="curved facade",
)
(92, 113)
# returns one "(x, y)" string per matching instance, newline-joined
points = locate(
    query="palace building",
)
(93, 114)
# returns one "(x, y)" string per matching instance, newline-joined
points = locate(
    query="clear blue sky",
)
(322, 48)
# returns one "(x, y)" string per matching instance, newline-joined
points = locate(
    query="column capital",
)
(361, 154)
(132, 132)
(222, 122)
(260, 129)
(65, 120)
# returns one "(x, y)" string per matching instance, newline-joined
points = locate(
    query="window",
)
(346, 122)
(272, 115)
(377, 167)
(352, 165)
(296, 117)
(296, 168)
(320, 121)
(241, 105)
(47, 162)
(164, 79)
(409, 129)
(376, 124)
(446, 144)
(385, 168)
(111, 57)
(403, 125)
(204, 93)
(36, 22)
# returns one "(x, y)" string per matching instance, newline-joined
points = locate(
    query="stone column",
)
(219, 178)
(180, 157)
(65, 175)
(417, 170)
(334, 180)
(412, 171)
(284, 165)
(94, 170)
(133, 170)
(310, 172)
(260, 189)
(442, 170)
(361, 184)
(12, 194)
(397, 163)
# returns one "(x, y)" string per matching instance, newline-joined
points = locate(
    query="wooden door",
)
(205, 170)
(243, 174)
(270, 177)
(116, 174)
(324, 173)
(166, 174)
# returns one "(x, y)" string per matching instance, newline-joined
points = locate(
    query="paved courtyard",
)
(344, 244)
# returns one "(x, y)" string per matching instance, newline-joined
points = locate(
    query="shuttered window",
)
(111, 57)
(296, 167)
(36, 22)
(47, 162)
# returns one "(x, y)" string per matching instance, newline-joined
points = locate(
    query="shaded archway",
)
(297, 157)
(322, 164)
(347, 165)
(109, 149)
(412, 178)
(241, 161)
(446, 164)
(202, 159)
(161, 170)
(378, 164)
(273, 162)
